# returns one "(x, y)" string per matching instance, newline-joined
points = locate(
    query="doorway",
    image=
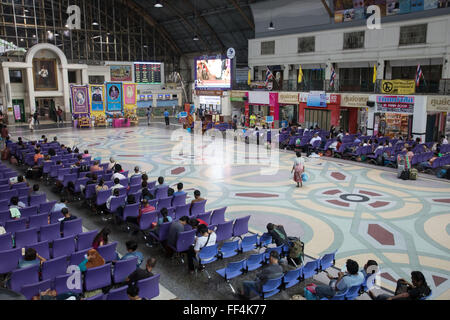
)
(46, 109)
(344, 120)
(19, 111)
(314, 117)
(432, 128)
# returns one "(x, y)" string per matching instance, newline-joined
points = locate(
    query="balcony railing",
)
(441, 87)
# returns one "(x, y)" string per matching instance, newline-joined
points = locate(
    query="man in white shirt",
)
(117, 174)
(207, 239)
(112, 163)
(117, 185)
(444, 140)
(311, 143)
(115, 194)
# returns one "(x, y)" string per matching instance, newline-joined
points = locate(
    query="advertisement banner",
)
(121, 73)
(17, 112)
(130, 94)
(398, 87)
(97, 98)
(213, 73)
(317, 99)
(114, 97)
(397, 104)
(80, 99)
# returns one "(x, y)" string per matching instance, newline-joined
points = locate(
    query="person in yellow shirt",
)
(252, 120)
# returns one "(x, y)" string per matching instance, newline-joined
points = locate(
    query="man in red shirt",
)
(145, 208)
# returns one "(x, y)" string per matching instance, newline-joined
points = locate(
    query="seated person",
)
(62, 204)
(132, 246)
(117, 184)
(370, 267)
(207, 238)
(67, 217)
(15, 203)
(117, 173)
(180, 191)
(161, 183)
(197, 197)
(38, 156)
(30, 258)
(345, 280)
(416, 290)
(35, 191)
(18, 179)
(428, 164)
(137, 172)
(141, 274)
(96, 167)
(101, 186)
(101, 239)
(145, 208)
(270, 271)
(146, 194)
(112, 164)
(278, 234)
(86, 154)
(93, 260)
(175, 228)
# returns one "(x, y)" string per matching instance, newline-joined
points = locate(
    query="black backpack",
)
(405, 175)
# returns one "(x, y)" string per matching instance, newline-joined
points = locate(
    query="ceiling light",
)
(95, 23)
(195, 38)
(158, 5)
(271, 26)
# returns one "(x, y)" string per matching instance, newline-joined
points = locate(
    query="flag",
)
(419, 75)
(375, 73)
(249, 81)
(300, 75)
(333, 77)
(269, 76)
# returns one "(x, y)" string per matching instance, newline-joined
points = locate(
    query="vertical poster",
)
(114, 97)
(80, 100)
(97, 98)
(45, 75)
(17, 115)
(129, 94)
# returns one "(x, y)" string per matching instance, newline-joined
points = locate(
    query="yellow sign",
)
(288, 98)
(438, 103)
(398, 87)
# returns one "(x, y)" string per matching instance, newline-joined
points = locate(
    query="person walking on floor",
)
(59, 113)
(166, 117)
(298, 169)
(149, 115)
(36, 118)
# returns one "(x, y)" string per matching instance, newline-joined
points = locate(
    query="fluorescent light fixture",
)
(195, 38)
(95, 23)
(158, 5)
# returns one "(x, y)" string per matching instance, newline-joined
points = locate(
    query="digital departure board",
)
(149, 73)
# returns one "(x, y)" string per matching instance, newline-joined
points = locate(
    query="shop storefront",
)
(238, 100)
(288, 102)
(260, 105)
(210, 103)
(354, 112)
(438, 111)
(394, 116)
(318, 108)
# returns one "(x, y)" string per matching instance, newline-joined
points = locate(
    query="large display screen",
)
(149, 73)
(213, 73)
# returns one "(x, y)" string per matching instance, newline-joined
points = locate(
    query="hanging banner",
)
(398, 87)
(114, 97)
(129, 94)
(97, 94)
(80, 99)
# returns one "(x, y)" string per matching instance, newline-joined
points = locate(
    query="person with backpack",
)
(296, 246)
(207, 239)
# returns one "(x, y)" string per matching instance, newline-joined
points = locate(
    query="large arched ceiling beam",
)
(203, 20)
(152, 22)
(238, 8)
(193, 29)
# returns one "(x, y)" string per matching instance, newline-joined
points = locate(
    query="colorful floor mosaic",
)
(362, 213)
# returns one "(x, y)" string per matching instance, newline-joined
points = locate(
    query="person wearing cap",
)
(270, 271)
(137, 172)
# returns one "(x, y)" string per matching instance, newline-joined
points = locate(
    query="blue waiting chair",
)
(254, 262)
(310, 269)
(229, 249)
(231, 271)
(292, 277)
(208, 255)
(271, 287)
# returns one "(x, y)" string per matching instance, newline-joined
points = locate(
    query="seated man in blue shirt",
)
(132, 253)
(61, 205)
(180, 191)
(161, 183)
(353, 277)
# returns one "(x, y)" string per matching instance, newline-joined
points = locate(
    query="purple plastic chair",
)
(116, 203)
(130, 210)
(9, 260)
(119, 294)
(38, 221)
(46, 207)
(56, 216)
(41, 248)
(31, 290)
(97, 278)
(6, 241)
(184, 241)
(63, 247)
(19, 185)
(108, 252)
(218, 216)
(123, 268)
(134, 188)
(198, 208)
(181, 211)
(149, 288)
(21, 277)
(8, 194)
(84, 240)
(161, 193)
(28, 212)
(26, 237)
(5, 216)
(147, 219)
(78, 257)
(164, 203)
(224, 231)
(50, 232)
(179, 200)
(89, 191)
(23, 192)
(72, 227)
(16, 225)
(137, 180)
(54, 268)
(60, 285)
(240, 227)
(37, 200)
(102, 197)
(162, 233)
(205, 217)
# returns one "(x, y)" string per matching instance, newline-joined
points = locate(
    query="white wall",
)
(379, 45)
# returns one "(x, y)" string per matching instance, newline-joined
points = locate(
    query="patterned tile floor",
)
(361, 212)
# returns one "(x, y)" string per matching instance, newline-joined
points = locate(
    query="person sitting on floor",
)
(132, 246)
(416, 290)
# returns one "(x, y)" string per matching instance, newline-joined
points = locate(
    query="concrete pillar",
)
(419, 127)
(85, 77)
(380, 69)
(7, 100)
(30, 90)
(286, 72)
(66, 92)
(446, 67)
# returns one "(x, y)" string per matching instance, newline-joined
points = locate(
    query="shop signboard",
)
(398, 87)
(438, 104)
(354, 100)
(396, 104)
(288, 97)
